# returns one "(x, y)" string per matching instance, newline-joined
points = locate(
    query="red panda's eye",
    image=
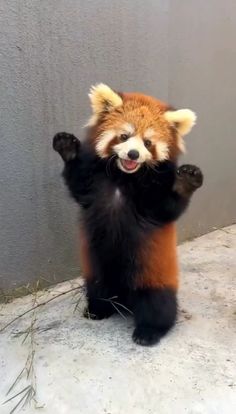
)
(124, 137)
(147, 143)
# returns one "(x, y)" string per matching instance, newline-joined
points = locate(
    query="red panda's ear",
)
(103, 99)
(182, 119)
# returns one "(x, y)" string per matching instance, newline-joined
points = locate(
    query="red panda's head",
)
(136, 128)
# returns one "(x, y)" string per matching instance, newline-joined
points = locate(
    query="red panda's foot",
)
(99, 304)
(146, 335)
(189, 178)
(155, 314)
(67, 145)
(98, 309)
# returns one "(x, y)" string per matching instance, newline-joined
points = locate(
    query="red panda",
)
(125, 177)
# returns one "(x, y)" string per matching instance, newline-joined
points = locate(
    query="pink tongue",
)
(129, 164)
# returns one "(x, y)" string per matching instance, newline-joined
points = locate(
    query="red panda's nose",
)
(133, 154)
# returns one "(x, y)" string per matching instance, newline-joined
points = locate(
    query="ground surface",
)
(88, 367)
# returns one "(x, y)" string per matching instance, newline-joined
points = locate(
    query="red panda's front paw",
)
(67, 145)
(188, 179)
(191, 174)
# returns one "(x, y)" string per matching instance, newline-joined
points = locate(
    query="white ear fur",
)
(182, 119)
(102, 99)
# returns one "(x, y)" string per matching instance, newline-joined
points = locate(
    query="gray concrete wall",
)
(202, 67)
(50, 53)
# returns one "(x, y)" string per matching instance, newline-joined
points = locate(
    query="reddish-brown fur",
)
(159, 259)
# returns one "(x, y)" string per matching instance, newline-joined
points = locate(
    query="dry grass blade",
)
(27, 397)
(28, 393)
(120, 313)
(30, 362)
(123, 306)
(77, 303)
(115, 305)
(38, 306)
(21, 333)
(30, 330)
(16, 381)
(16, 395)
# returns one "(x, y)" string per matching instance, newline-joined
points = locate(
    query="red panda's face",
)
(136, 129)
(135, 135)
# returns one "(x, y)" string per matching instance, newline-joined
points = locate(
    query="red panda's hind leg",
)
(99, 299)
(155, 302)
(155, 312)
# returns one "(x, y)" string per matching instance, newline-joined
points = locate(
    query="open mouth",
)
(129, 166)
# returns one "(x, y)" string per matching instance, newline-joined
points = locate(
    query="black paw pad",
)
(191, 174)
(146, 335)
(67, 145)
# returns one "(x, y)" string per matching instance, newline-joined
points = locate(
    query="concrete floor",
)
(89, 367)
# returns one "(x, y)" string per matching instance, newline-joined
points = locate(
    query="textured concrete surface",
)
(89, 367)
(51, 51)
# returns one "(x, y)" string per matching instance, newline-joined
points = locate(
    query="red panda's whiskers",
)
(151, 166)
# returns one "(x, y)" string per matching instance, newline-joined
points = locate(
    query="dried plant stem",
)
(116, 306)
(39, 305)
(27, 394)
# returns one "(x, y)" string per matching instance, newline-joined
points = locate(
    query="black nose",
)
(133, 154)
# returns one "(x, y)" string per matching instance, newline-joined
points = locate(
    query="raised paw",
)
(146, 335)
(189, 178)
(191, 174)
(67, 145)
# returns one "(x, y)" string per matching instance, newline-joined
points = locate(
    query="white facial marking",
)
(127, 129)
(162, 151)
(105, 138)
(149, 133)
(103, 141)
(133, 143)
